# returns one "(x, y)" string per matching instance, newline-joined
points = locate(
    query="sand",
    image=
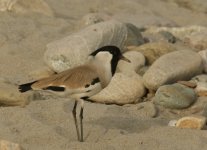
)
(48, 124)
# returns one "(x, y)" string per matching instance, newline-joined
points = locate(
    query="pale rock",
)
(194, 36)
(74, 49)
(179, 32)
(197, 40)
(201, 81)
(10, 96)
(137, 61)
(123, 89)
(38, 6)
(175, 96)
(189, 84)
(192, 122)
(203, 55)
(172, 123)
(92, 18)
(6, 5)
(147, 109)
(7, 145)
(162, 36)
(172, 67)
(152, 51)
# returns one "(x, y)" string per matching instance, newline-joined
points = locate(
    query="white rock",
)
(180, 32)
(171, 67)
(24, 6)
(6, 4)
(74, 49)
(38, 6)
(7, 145)
(123, 89)
(172, 123)
(137, 61)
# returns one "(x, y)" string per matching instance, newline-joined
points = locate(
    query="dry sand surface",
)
(48, 124)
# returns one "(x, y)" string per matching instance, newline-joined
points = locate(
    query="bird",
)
(81, 82)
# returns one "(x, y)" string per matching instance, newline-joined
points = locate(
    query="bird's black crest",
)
(115, 51)
(55, 88)
(26, 87)
(112, 49)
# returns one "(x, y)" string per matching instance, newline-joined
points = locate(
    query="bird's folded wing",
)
(79, 77)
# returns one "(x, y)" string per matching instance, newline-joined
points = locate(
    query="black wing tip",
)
(25, 87)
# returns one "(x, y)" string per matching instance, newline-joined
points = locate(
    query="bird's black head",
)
(115, 53)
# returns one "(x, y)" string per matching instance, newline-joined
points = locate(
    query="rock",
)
(152, 51)
(92, 18)
(137, 61)
(194, 36)
(197, 40)
(179, 32)
(6, 4)
(203, 55)
(74, 49)
(192, 122)
(172, 123)
(201, 81)
(172, 67)
(7, 145)
(134, 36)
(188, 84)
(147, 109)
(38, 6)
(162, 36)
(10, 96)
(175, 96)
(123, 89)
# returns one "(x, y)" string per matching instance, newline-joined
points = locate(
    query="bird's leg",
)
(75, 119)
(81, 120)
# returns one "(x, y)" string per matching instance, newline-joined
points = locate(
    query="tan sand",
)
(48, 124)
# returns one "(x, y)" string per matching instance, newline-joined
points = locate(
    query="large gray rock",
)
(74, 49)
(174, 66)
(175, 96)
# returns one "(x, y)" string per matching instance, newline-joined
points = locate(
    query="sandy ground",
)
(48, 124)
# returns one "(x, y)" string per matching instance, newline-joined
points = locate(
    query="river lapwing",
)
(81, 82)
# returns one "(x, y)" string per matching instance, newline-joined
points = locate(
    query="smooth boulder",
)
(172, 67)
(175, 96)
(74, 49)
(123, 89)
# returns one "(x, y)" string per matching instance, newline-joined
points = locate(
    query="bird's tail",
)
(26, 87)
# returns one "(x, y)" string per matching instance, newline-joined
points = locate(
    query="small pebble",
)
(191, 122)
(172, 123)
